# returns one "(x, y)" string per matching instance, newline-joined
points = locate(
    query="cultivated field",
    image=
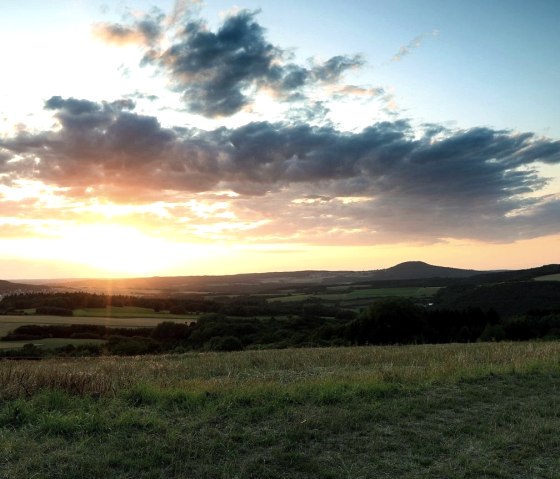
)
(126, 317)
(459, 411)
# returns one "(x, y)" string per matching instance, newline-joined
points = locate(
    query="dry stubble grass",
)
(277, 368)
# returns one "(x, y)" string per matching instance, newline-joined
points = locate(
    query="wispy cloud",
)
(145, 31)
(415, 43)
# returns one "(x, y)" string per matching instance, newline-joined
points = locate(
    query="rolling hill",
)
(421, 270)
(258, 282)
(8, 287)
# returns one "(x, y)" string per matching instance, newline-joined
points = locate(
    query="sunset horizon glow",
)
(189, 138)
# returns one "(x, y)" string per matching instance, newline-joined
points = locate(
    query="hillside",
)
(508, 298)
(516, 275)
(248, 283)
(458, 284)
(7, 287)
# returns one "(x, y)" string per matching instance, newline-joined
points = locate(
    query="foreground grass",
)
(450, 411)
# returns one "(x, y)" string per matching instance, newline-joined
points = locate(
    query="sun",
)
(115, 249)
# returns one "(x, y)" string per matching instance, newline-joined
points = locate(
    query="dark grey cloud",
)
(4, 157)
(309, 112)
(218, 73)
(387, 180)
(335, 67)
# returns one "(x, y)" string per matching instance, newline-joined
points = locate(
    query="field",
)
(132, 312)
(447, 411)
(120, 318)
(360, 294)
(49, 343)
(549, 277)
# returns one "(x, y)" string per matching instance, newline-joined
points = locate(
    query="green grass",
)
(131, 312)
(450, 411)
(359, 294)
(383, 293)
(549, 277)
(292, 298)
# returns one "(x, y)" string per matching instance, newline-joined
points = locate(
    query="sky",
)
(142, 138)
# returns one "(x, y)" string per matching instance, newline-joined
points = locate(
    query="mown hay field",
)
(89, 316)
(132, 312)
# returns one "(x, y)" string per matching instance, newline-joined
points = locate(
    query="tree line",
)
(391, 321)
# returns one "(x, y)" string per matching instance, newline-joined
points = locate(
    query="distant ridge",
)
(7, 287)
(246, 282)
(518, 275)
(417, 273)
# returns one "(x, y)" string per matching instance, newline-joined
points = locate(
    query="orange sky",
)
(157, 149)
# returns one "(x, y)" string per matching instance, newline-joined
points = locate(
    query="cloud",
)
(387, 181)
(415, 43)
(219, 73)
(14, 231)
(146, 31)
(354, 90)
(331, 70)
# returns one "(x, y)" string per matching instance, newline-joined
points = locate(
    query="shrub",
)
(171, 332)
(493, 332)
(123, 346)
(224, 343)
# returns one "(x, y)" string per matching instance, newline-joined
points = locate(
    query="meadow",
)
(134, 312)
(455, 411)
(549, 277)
(376, 293)
(356, 295)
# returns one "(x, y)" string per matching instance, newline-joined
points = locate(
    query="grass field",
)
(131, 312)
(549, 277)
(488, 410)
(360, 294)
(382, 293)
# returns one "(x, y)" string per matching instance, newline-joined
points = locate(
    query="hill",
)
(515, 275)
(507, 292)
(7, 287)
(248, 283)
(507, 299)
(421, 270)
